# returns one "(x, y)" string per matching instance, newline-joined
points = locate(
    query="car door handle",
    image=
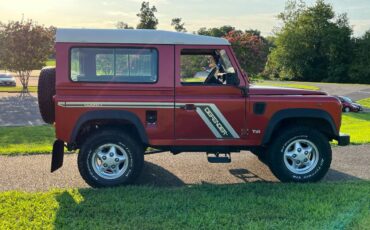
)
(188, 107)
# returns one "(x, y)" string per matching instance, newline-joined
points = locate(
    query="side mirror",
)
(232, 79)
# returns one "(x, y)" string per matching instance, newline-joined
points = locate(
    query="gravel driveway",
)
(31, 173)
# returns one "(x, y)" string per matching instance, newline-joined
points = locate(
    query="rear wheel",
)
(110, 158)
(300, 154)
(347, 109)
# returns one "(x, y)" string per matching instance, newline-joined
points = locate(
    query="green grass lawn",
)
(343, 205)
(365, 102)
(16, 89)
(288, 85)
(278, 84)
(26, 140)
(50, 62)
(358, 126)
(193, 79)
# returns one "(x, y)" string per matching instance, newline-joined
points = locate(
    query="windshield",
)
(347, 99)
(5, 76)
(225, 62)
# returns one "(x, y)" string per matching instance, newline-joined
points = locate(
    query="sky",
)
(243, 14)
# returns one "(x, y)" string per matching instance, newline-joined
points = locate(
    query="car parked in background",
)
(348, 105)
(7, 79)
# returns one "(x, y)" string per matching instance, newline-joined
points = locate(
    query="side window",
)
(196, 67)
(205, 67)
(130, 65)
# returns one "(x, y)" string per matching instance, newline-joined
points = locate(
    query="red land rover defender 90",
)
(118, 94)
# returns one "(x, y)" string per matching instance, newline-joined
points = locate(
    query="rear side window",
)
(126, 65)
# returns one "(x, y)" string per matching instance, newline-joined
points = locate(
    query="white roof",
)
(135, 37)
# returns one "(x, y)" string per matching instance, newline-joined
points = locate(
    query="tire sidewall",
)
(45, 93)
(323, 164)
(87, 153)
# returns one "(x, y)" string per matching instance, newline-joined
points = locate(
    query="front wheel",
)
(300, 154)
(110, 158)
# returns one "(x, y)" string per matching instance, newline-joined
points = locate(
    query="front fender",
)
(297, 113)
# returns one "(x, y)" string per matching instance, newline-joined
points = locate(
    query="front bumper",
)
(343, 139)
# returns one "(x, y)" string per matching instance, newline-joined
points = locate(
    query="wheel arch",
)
(109, 118)
(317, 118)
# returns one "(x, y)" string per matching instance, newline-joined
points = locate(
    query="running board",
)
(219, 157)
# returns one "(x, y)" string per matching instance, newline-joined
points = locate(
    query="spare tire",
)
(45, 94)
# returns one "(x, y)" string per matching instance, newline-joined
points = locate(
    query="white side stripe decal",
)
(224, 120)
(208, 112)
(117, 104)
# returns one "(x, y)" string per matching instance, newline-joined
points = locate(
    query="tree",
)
(25, 46)
(147, 17)
(313, 45)
(250, 48)
(179, 26)
(2, 37)
(360, 71)
(123, 25)
(216, 32)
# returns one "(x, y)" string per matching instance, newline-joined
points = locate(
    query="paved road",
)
(19, 109)
(31, 173)
(354, 91)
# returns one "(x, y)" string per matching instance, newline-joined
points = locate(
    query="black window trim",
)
(112, 47)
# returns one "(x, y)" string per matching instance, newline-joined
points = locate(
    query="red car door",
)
(215, 113)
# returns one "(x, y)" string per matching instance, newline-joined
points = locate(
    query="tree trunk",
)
(23, 78)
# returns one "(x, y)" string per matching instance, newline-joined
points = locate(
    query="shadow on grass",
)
(161, 200)
(252, 205)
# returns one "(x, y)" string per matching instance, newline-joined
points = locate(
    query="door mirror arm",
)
(244, 90)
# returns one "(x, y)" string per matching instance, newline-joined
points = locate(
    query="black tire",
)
(134, 150)
(291, 135)
(45, 93)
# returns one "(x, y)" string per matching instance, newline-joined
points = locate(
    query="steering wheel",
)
(211, 76)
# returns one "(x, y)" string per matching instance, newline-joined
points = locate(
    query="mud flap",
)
(57, 155)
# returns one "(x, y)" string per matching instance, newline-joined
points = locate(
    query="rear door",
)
(211, 112)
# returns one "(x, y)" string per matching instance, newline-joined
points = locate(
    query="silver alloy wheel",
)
(301, 156)
(110, 161)
(347, 110)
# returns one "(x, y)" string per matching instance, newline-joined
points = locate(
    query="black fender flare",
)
(297, 113)
(110, 115)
